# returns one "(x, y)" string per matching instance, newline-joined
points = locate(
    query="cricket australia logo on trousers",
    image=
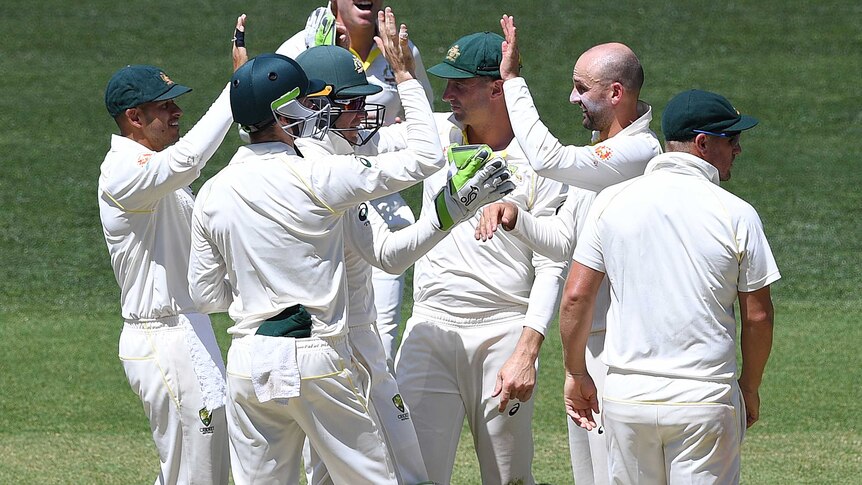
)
(399, 403)
(206, 418)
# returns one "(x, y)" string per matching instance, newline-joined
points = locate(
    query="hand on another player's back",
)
(393, 44)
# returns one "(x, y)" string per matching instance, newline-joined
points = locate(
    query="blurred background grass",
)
(66, 412)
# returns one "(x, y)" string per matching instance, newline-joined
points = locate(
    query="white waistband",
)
(153, 323)
(477, 319)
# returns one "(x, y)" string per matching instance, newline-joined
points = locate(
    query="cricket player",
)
(352, 25)
(678, 251)
(267, 245)
(607, 80)
(369, 242)
(480, 312)
(168, 350)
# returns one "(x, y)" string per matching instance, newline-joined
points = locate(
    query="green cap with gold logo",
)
(695, 111)
(473, 55)
(138, 84)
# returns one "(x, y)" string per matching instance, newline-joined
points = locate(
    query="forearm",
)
(201, 142)
(529, 344)
(401, 248)
(576, 315)
(756, 344)
(552, 237)
(544, 294)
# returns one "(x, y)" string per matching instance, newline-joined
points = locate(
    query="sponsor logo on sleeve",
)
(604, 152)
(144, 159)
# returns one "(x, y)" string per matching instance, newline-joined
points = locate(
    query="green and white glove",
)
(320, 27)
(479, 178)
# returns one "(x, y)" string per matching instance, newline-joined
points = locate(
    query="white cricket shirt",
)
(464, 277)
(145, 206)
(267, 232)
(677, 249)
(371, 241)
(594, 167)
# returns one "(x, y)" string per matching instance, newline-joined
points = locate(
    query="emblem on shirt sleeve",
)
(364, 161)
(363, 212)
(144, 159)
(604, 152)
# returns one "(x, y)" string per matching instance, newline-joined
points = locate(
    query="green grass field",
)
(67, 414)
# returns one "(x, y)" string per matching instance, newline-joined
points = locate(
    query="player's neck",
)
(622, 119)
(361, 42)
(498, 135)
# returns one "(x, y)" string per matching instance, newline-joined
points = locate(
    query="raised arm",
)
(141, 183)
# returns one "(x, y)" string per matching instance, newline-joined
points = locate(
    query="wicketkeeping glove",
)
(320, 27)
(479, 178)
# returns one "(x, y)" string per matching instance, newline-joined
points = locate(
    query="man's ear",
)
(617, 92)
(700, 144)
(133, 115)
(497, 88)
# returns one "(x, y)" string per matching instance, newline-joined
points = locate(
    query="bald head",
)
(610, 63)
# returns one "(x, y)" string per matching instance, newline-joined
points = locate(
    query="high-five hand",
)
(510, 64)
(393, 44)
(238, 51)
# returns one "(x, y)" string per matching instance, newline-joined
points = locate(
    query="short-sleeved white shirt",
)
(677, 249)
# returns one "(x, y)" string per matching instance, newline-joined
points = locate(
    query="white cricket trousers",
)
(588, 449)
(156, 357)
(692, 443)
(332, 410)
(392, 412)
(447, 369)
(388, 294)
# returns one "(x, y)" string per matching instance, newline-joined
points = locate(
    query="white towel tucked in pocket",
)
(274, 372)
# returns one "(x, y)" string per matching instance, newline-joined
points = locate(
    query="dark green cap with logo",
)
(337, 67)
(695, 111)
(473, 55)
(135, 85)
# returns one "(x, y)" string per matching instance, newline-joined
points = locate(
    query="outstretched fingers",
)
(239, 54)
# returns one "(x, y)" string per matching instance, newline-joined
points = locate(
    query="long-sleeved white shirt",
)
(145, 206)
(676, 249)
(370, 241)
(377, 71)
(267, 232)
(463, 277)
(593, 167)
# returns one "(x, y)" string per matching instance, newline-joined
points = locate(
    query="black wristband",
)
(239, 38)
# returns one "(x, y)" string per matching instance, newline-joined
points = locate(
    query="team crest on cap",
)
(453, 54)
(604, 152)
(357, 65)
(165, 78)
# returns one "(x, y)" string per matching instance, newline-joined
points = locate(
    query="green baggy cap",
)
(473, 55)
(138, 84)
(695, 111)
